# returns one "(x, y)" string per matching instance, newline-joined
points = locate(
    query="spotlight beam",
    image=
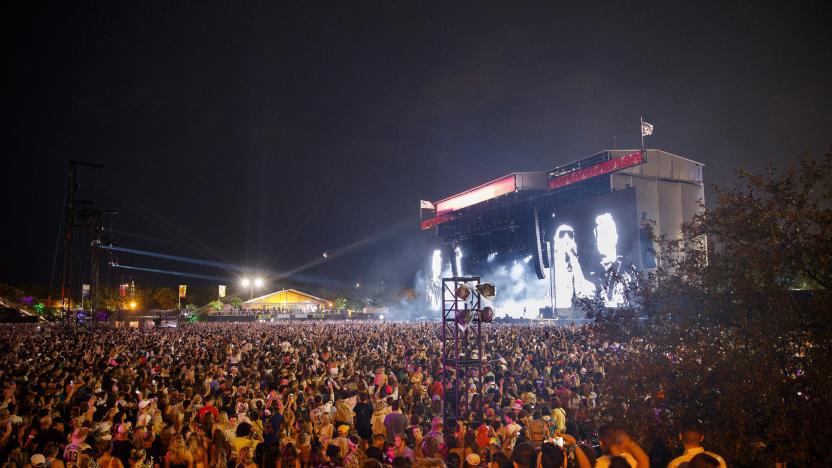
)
(174, 273)
(343, 250)
(177, 258)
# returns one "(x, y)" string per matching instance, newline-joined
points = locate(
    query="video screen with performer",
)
(594, 243)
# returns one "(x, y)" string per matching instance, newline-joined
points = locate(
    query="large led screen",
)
(591, 243)
(594, 243)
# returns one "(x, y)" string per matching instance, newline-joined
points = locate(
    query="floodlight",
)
(246, 282)
(463, 291)
(258, 282)
(464, 316)
(486, 315)
(487, 290)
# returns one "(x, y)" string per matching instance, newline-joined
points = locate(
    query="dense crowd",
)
(309, 394)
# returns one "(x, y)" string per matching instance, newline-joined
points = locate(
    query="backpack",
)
(537, 430)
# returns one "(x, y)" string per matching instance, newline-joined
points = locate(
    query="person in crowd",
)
(302, 394)
(617, 445)
(401, 448)
(107, 459)
(692, 436)
(395, 422)
(376, 450)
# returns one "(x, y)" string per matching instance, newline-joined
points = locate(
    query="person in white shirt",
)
(692, 438)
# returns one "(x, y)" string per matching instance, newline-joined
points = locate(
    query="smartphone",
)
(559, 441)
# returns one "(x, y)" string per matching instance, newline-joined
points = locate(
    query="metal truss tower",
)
(462, 343)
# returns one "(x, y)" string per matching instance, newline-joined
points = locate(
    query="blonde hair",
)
(178, 452)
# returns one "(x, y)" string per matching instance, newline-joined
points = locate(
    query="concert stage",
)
(550, 238)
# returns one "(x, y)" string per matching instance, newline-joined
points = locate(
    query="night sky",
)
(262, 135)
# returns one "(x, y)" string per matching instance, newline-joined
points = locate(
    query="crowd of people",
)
(311, 394)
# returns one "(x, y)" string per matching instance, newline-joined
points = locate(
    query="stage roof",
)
(287, 296)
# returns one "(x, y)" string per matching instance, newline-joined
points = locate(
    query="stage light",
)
(133, 305)
(381, 317)
(325, 254)
(357, 285)
(258, 283)
(486, 315)
(464, 316)
(245, 282)
(487, 290)
(463, 291)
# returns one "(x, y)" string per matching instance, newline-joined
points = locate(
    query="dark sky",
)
(264, 134)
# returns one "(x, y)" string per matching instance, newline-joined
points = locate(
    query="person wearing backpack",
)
(537, 430)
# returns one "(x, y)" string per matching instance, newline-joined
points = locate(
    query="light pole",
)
(247, 284)
(251, 285)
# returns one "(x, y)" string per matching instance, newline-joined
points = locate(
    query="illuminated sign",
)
(429, 223)
(484, 192)
(606, 167)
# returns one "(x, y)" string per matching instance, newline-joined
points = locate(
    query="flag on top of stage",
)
(646, 129)
(426, 205)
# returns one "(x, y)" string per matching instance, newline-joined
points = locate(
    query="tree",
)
(217, 305)
(236, 302)
(340, 303)
(10, 292)
(734, 328)
(165, 298)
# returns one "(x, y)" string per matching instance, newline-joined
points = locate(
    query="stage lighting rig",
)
(463, 291)
(464, 316)
(487, 314)
(463, 337)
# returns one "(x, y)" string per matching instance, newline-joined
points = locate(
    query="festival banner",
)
(183, 289)
(222, 291)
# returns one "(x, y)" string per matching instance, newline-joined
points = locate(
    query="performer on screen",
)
(569, 277)
(614, 278)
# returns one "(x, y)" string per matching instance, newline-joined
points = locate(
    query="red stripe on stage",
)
(632, 159)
